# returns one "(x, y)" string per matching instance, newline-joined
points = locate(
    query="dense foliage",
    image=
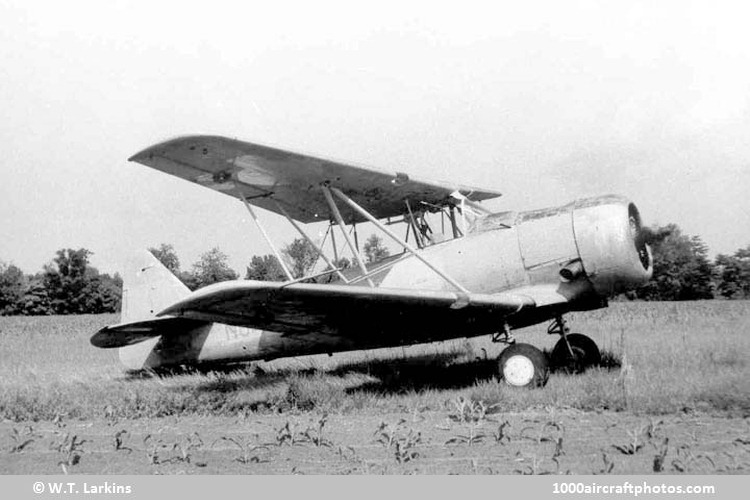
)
(70, 285)
(374, 249)
(732, 273)
(167, 256)
(264, 268)
(67, 285)
(212, 267)
(682, 270)
(12, 285)
(300, 257)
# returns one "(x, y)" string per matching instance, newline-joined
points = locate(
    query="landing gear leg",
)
(504, 336)
(574, 352)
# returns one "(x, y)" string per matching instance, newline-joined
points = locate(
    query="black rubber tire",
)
(534, 355)
(585, 354)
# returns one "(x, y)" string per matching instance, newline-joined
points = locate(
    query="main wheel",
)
(523, 365)
(585, 354)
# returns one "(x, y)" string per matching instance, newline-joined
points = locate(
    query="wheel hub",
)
(518, 370)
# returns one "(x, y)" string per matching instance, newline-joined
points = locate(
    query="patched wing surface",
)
(366, 316)
(266, 175)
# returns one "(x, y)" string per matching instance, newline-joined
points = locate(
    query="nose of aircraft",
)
(611, 244)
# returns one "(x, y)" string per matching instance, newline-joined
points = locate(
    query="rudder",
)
(148, 287)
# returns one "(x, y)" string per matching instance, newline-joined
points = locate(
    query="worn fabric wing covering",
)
(361, 314)
(266, 175)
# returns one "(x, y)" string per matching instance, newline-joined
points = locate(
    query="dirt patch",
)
(466, 439)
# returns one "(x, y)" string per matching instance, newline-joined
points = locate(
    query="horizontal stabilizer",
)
(126, 334)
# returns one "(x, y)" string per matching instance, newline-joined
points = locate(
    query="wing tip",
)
(150, 150)
(99, 339)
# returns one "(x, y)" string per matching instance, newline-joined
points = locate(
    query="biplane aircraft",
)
(487, 274)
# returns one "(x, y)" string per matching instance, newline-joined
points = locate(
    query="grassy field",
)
(673, 371)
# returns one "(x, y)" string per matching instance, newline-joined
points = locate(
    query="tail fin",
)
(148, 287)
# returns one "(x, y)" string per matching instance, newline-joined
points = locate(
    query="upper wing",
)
(366, 316)
(263, 174)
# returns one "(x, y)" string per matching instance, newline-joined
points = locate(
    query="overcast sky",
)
(545, 101)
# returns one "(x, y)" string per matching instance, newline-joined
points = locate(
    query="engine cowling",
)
(611, 245)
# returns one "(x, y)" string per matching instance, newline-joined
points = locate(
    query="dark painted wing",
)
(266, 175)
(131, 333)
(366, 316)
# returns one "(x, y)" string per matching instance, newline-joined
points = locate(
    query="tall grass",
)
(678, 357)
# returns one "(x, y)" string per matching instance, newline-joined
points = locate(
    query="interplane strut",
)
(316, 247)
(266, 237)
(340, 222)
(390, 233)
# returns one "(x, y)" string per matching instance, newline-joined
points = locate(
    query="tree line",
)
(67, 285)
(70, 285)
(683, 270)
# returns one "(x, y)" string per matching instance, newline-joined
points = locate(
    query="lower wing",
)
(362, 314)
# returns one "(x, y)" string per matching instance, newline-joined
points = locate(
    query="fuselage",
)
(567, 258)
